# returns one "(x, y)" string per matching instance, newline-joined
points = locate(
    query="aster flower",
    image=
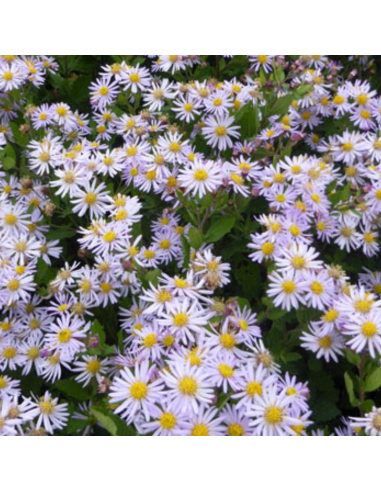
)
(136, 393)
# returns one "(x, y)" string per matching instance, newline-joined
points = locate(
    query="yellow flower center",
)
(317, 288)
(188, 386)
(273, 415)
(180, 320)
(150, 340)
(168, 421)
(227, 341)
(289, 287)
(369, 329)
(268, 249)
(94, 366)
(325, 342)
(200, 430)
(253, 389)
(13, 285)
(138, 390)
(10, 219)
(226, 371)
(200, 175)
(109, 237)
(64, 335)
(90, 198)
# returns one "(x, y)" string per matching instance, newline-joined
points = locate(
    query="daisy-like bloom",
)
(22, 248)
(318, 289)
(236, 422)
(11, 77)
(371, 423)
(286, 290)
(219, 102)
(52, 370)
(70, 179)
(155, 97)
(365, 331)
(300, 390)
(222, 371)
(66, 337)
(188, 386)
(185, 287)
(322, 343)
(149, 340)
(246, 323)
(90, 367)
(271, 414)
(166, 421)
(51, 414)
(348, 148)
(92, 198)
(219, 131)
(8, 422)
(253, 381)
(11, 356)
(136, 79)
(184, 319)
(32, 352)
(45, 155)
(200, 178)
(346, 235)
(205, 423)
(8, 386)
(103, 92)
(13, 220)
(186, 108)
(15, 287)
(298, 259)
(358, 301)
(262, 61)
(211, 269)
(136, 393)
(265, 248)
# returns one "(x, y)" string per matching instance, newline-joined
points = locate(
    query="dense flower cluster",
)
(186, 358)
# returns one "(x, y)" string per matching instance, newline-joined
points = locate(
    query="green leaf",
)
(219, 229)
(60, 233)
(111, 422)
(73, 389)
(373, 381)
(346, 193)
(353, 358)
(152, 276)
(19, 137)
(195, 238)
(242, 303)
(8, 163)
(45, 273)
(186, 251)
(281, 105)
(248, 118)
(97, 329)
(275, 314)
(350, 390)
